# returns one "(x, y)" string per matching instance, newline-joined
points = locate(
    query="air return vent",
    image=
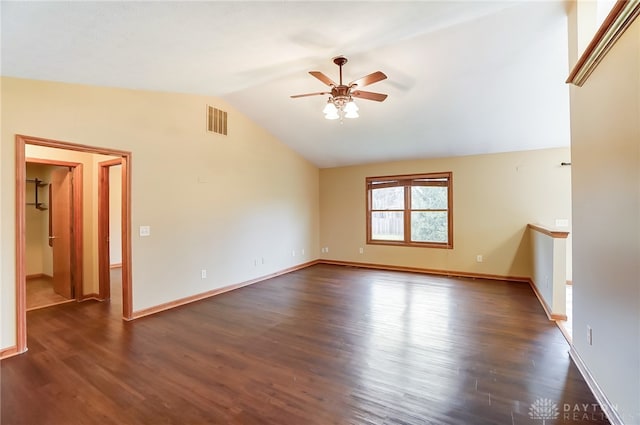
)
(216, 120)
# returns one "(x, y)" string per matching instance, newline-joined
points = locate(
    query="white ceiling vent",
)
(216, 120)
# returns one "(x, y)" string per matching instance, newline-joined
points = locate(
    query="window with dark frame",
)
(410, 210)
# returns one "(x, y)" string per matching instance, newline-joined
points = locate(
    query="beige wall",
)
(494, 197)
(237, 206)
(37, 250)
(605, 127)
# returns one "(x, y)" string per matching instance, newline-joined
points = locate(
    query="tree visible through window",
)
(410, 210)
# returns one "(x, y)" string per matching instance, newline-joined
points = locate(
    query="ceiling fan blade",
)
(374, 77)
(309, 94)
(320, 76)
(378, 97)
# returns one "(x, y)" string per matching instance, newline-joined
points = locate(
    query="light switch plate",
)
(145, 230)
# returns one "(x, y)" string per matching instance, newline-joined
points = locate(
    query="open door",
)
(61, 207)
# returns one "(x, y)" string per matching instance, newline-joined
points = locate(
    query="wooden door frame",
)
(20, 219)
(104, 266)
(77, 252)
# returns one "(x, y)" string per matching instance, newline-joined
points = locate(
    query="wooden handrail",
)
(622, 15)
(559, 234)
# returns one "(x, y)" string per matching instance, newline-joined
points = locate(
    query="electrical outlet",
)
(203, 273)
(361, 250)
(293, 253)
(145, 230)
(479, 258)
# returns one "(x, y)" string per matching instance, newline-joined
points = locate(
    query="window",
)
(412, 210)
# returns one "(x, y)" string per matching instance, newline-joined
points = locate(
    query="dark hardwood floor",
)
(324, 345)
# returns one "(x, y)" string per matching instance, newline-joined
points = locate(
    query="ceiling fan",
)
(340, 101)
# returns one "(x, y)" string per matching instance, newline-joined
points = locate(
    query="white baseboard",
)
(605, 404)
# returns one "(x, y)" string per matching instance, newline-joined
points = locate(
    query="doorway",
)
(77, 224)
(52, 192)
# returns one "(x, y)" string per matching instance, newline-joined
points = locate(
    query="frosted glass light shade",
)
(351, 114)
(351, 107)
(330, 108)
(332, 115)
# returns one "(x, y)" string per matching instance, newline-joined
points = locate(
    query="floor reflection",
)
(408, 321)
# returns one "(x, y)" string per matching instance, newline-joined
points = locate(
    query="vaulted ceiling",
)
(464, 77)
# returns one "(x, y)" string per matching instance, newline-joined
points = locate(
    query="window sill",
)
(411, 244)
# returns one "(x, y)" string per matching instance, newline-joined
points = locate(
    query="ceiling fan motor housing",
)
(342, 91)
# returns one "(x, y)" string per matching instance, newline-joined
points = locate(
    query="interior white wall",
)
(115, 214)
(550, 270)
(605, 125)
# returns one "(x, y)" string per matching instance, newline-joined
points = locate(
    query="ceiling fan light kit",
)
(340, 103)
(336, 108)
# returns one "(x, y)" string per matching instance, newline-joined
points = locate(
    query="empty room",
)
(320, 212)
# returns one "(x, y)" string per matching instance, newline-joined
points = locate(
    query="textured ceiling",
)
(465, 77)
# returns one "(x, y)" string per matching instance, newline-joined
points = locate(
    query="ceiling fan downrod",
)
(340, 60)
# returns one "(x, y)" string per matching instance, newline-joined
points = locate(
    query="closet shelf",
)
(37, 183)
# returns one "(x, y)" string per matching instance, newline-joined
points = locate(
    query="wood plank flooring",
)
(323, 345)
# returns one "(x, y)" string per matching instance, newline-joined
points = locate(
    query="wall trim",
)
(10, 352)
(561, 325)
(426, 271)
(208, 294)
(545, 306)
(52, 304)
(620, 18)
(606, 405)
(39, 276)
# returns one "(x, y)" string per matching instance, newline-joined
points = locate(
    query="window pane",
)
(429, 226)
(428, 198)
(388, 198)
(387, 226)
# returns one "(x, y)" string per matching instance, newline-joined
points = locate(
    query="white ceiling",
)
(465, 77)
